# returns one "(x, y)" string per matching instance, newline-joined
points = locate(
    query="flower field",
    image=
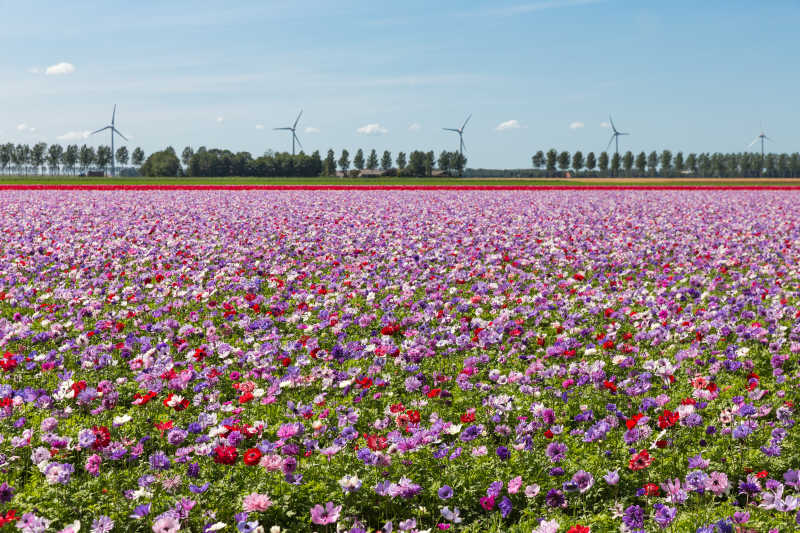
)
(307, 360)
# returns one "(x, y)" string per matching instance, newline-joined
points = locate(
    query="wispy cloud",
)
(24, 127)
(311, 129)
(59, 69)
(220, 119)
(259, 126)
(605, 125)
(509, 125)
(576, 125)
(372, 129)
(532, 7)
(415, 127)
(74, 136)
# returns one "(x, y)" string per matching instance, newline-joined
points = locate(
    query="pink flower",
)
(325, 515)
(93, 464)
(271, 462)
(256, 502)
(514, 485)
(166, 524)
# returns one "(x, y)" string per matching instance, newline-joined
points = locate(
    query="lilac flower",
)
(583, 480)
(664, 515)
(102, 524)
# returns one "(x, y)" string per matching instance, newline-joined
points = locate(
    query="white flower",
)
(216, 527)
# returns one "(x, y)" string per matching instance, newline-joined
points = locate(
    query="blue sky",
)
(684, 75)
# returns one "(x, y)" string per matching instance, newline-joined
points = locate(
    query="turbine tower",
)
(614, 136)
(763, 138)
(292, 129)
(460, 132)
(113, 131)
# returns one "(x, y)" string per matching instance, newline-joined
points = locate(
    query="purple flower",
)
(445, 492)
(6, 492)
(584, 480)
(503, 453)
(634, 517)
(556, 451)
(159, 461)
(664, 515)
(555, 498)
(505, 507)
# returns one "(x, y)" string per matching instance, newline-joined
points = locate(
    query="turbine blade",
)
(609, 142)
(450, 129)
(113, 114)
(768, 138)
(463, 146)
(118, 133)
(101, 129)
(465, 122)
(290, 129)
(611, 120)
(620, 133)
(298, 140)
(297, 119)
(754, 141)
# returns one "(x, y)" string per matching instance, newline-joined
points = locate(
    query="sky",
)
(537, 74)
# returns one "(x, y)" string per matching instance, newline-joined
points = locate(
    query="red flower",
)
(142, 399)
(246, 397)
(667, 419)
(225, 455)
(376, 442)
(651, 489)
(468, 417)
(577, 528)
(433, 393)
(252, 456)
(177, 402)
(548, 434)
(414, 416)
(11, 516)
(632, 421)
(7, 362)
(762, 474)
(610, 385)
(640, 461)
(102, 437)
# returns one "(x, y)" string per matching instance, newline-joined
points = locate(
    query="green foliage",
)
(163, 163)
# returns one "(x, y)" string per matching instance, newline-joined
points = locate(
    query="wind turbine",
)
(292, 129)
(615, 135)
(763, 138)
(113, 131)
(460, 132)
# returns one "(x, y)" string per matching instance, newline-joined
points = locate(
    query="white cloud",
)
(74, 136)
(311, 129)
(60, 68)
(605, 125)
(259, 126)
(576, 125)
(415, 127)
(372, 129)
(22, 127)
(509, 125)
(220, 119)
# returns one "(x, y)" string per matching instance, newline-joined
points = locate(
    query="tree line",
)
(219, 162)
(667, 165)
(23, 159)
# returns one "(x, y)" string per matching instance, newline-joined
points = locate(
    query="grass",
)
(433, 182)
